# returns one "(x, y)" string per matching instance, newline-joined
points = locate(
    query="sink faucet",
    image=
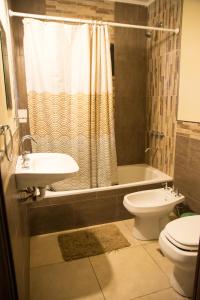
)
(22, 151)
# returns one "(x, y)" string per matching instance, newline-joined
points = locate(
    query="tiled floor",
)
(137, 272)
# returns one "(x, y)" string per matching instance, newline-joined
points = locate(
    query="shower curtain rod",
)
(75, 20)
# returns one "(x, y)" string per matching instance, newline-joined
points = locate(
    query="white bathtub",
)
(140, 173)
(128, 176)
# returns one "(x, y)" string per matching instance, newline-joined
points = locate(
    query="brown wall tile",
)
(163, 52)
(51, 218)
(130, 84)
(101, 210)
(187, 163)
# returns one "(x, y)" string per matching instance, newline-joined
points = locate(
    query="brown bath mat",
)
(90, 242)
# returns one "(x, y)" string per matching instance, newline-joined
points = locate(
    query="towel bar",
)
(3, 131)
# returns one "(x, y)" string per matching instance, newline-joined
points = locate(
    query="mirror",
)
(4, 54)
(189, 87)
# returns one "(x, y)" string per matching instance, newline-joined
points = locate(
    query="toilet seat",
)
(179, 245)
(184, 233)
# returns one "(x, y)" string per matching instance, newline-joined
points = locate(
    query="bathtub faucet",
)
(153, 152)
(147, 149)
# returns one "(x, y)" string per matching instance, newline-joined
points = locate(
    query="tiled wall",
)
(187, 162)
(178, 151)
(130, 78)
(97, 10)
(162, 84)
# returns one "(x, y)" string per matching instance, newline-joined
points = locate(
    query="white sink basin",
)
(43, 169)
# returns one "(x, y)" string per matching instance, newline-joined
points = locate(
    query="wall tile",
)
(97, 211)
(162, 83)
(187, 162)
(130, 84)
(51, 218)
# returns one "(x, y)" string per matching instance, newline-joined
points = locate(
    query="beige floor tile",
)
(128, 273)
(142, 243)
(44, 250)
(64, 281)
(163, 262)
(168, 294)
(129, 223)
(127, 233)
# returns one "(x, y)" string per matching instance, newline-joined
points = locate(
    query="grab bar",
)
(3, 131)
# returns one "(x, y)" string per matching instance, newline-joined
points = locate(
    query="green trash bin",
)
(187, 214)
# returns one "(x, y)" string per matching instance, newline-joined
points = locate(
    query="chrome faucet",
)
(165, 186)
(24, 153)
(153, 152)
(175, 191)
(147, 149)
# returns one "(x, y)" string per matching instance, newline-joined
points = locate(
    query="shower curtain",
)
(70, 101)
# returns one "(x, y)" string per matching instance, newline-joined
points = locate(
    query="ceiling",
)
(140, 2)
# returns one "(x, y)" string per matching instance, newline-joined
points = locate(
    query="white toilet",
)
(151, 209)
(179, 242)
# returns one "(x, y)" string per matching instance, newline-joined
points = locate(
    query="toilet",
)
(179, 242)
(151, 209)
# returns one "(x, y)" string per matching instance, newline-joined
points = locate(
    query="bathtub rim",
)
(163, 178)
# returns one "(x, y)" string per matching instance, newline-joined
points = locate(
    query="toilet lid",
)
(184, 232)
(179, 245)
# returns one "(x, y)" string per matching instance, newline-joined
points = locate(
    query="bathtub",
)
(128, 176)
(79, 208)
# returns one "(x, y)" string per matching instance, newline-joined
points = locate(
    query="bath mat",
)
(90, 242)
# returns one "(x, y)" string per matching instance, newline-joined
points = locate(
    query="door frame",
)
(8, 286)
(196, 293)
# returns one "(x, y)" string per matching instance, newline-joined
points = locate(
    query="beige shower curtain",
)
(70, 101)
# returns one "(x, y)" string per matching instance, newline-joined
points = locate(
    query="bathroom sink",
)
(42, 169)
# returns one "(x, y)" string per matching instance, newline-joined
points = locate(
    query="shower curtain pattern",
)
(70, 101)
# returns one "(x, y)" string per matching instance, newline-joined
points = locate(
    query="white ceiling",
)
(140, 2)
